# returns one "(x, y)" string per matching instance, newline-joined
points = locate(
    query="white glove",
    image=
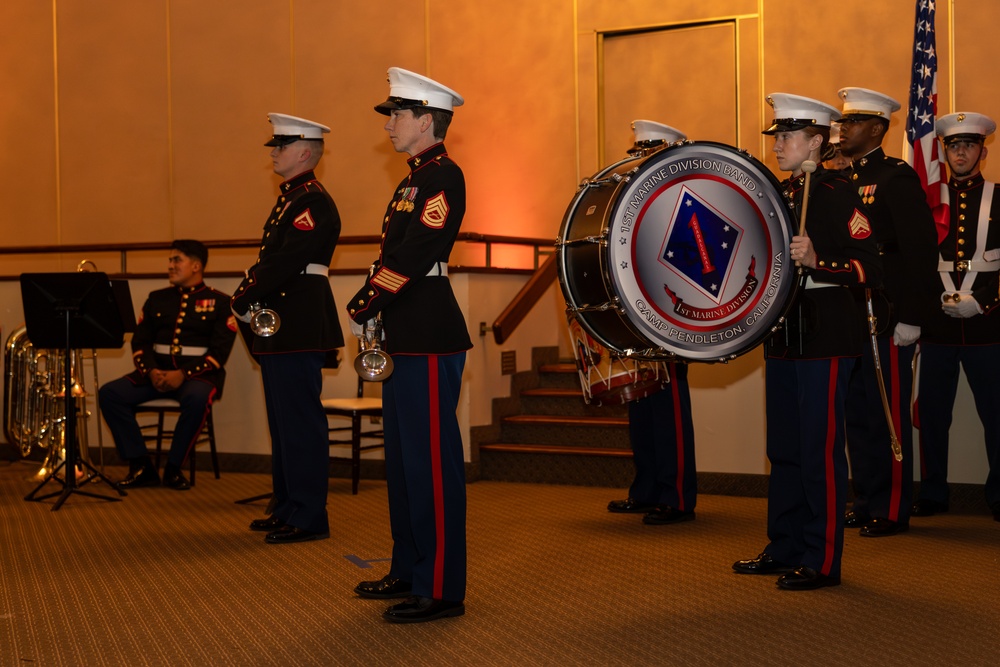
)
(356, 329)
(967, 307)
(245, 317)
(905, 334)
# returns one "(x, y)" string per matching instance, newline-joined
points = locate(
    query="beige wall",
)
(143, 121)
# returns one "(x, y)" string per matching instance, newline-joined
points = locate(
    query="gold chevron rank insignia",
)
(389, 280)
(859, 226)
(304, 221)
(435, 211)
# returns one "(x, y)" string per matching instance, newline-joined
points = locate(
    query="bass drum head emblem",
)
(697, 246)
(693, 255)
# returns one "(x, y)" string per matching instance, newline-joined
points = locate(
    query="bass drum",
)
(679, 255)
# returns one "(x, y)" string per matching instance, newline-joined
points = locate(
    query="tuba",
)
(372, 364)
(34, 398)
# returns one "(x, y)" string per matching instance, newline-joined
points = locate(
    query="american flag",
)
(920, 147)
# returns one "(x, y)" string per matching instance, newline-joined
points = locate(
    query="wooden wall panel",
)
(628, 14)
(648, 75)
(515, 137)
(342, 52)
(27, 124)
(228, 70)
(976, 56)
(864, 44)
(113, 115)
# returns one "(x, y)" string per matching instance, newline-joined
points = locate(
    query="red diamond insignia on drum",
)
(859, 225)
(700, 244)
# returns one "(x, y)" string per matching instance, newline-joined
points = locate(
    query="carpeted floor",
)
(170, 578)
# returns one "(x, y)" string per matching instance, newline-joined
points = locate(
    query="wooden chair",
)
(164, 406)
(355, 408)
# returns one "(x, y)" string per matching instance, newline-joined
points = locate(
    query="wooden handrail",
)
(503, 327)
(525, 300)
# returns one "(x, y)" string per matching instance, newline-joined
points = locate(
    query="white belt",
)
(317, 270)
(812, 284)
(981, 256)
(439, 269)
(964, 265)
(181, 351)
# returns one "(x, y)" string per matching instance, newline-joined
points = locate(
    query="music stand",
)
(72, 311)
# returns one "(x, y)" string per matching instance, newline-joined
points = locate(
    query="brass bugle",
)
(264, 322)
(372, 364)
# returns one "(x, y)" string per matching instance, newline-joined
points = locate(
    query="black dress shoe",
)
(270, 524)
(806, 579)
(879, 527)
(145, 476)
(762, 564)
(385, 588)
(176, 481)
(664, 515)
(630, 506)
(996, 512)
(853, 520)
(924, 507)
(418, 609)
(291, 535)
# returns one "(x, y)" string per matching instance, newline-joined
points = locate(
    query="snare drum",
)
(608, 378)
(682, 254)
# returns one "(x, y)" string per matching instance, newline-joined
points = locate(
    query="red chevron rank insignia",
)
(435, 211)
(859, 226)
(304, 221)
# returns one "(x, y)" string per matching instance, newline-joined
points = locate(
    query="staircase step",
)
(563, 431)
(560, 367)
(562, 375)
(557, 420)
(518, 448)
(554, 392)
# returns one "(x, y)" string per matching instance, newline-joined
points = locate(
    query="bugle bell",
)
(264, 322)
(372, 364)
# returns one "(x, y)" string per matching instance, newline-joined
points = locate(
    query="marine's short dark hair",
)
(193, 249)
(442, 119)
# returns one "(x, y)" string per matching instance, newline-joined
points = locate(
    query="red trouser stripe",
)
(679, 435)
(831, 476)
(435, 432)
(897, 466)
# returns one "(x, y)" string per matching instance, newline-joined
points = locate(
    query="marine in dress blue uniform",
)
(965, 332)
(291, 277)
(426, 335)
(904, 229)
(809, 362)
(185, 329)
(661, 429)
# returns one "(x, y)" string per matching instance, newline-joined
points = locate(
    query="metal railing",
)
(544, 272)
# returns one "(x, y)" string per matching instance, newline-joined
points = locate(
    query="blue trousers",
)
(425, 474)
(300, 441)
(939, 366)
(807, 491)
(883, 486)
(119, 398)
(661, 432)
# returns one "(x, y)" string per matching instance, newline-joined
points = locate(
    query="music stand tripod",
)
(72, 311)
